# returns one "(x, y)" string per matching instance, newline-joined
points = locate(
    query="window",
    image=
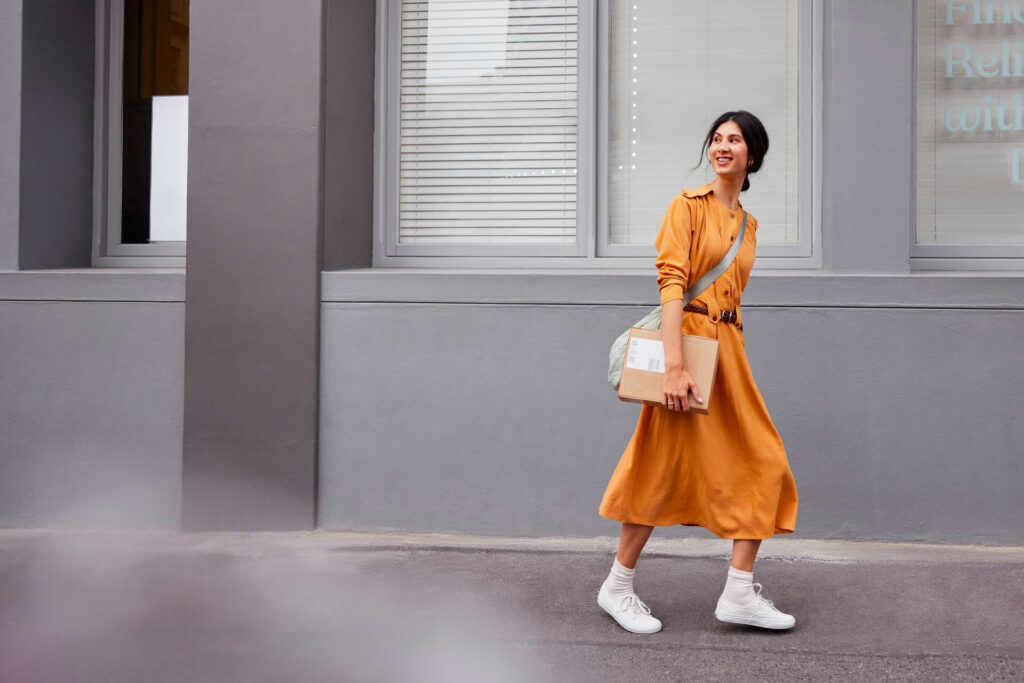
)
(674, 66)
(555, 132)
(969, 136)
(142, 132)
(488, 128)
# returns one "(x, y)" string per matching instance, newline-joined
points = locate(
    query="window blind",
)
(970, 165)
(675, 66)
(488, 122)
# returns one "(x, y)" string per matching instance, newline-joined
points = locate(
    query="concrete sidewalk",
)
(158, 606)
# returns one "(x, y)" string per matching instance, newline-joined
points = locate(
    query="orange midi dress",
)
(727, 470)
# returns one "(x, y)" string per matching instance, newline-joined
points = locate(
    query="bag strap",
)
(712, 275)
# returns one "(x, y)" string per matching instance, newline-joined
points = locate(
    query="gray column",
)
(252, 284)
(867, 136)
(58, 67)
(349, 57)
(10, 130)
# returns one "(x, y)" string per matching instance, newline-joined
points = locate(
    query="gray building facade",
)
(285, 379)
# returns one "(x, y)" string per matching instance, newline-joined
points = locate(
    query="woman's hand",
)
(676, 387)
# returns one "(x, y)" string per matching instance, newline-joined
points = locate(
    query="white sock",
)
(739, 587)
(620, 580)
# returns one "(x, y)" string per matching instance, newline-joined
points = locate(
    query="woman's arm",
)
(672, 319)
(677, 383)
(673, 264)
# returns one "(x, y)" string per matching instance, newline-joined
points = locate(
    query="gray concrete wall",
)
(476, 402)
(900, 420)
(10, 130)
(58, 65)
(91, 360)
(249, 454)
(90, 412)
(455, 401)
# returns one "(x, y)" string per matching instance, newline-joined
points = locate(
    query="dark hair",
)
(754, 135)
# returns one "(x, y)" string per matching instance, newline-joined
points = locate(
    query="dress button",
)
(732, 238)
(732, 215)
(726, 291)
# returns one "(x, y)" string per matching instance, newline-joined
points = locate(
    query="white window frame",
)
(107, 248)
(592, 249)
(929, 257)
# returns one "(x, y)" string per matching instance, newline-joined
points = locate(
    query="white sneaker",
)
(762, 613)
(630, 611)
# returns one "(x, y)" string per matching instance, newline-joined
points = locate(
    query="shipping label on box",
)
(646, 354)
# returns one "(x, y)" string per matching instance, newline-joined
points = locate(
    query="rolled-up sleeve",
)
(673, 244)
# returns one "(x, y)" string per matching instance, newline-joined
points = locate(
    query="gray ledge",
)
(630, 287)
(94, 284)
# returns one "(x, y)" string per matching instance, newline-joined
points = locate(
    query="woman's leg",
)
(631, 542)
(617, 596)
(744, 550)
(739, 601)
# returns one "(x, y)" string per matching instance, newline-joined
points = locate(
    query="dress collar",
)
(707, 189)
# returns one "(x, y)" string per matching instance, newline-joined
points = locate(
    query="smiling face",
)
(728, 150)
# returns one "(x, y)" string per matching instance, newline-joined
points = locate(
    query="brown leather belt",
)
(728, 315)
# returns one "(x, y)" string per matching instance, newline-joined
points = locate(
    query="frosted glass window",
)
(675, 65)
(970, 135)
(488, 122)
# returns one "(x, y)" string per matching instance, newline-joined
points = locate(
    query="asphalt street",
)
(117, 606)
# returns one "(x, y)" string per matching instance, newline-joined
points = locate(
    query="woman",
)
(726, 470)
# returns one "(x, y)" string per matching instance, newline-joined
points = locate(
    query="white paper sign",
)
(646, 354)
(168, 188)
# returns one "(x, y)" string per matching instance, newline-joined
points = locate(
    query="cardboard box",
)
(643, 368)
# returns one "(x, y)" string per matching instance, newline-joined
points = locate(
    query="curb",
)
(276, 543)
